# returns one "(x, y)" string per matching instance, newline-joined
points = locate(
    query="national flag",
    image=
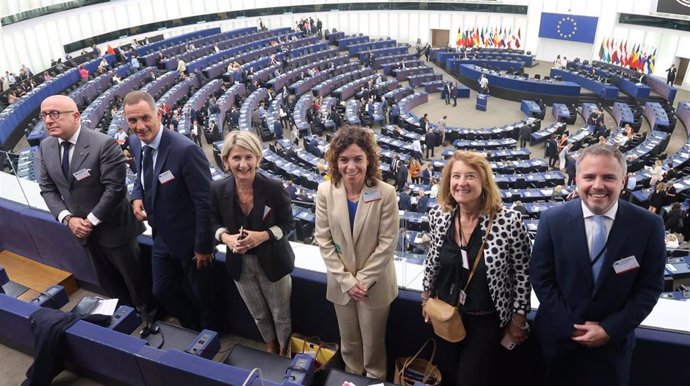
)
(652, 62)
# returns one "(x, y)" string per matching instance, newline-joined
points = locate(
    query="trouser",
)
(194, 310)
(363, 338)
(268, 302)
(122, 275)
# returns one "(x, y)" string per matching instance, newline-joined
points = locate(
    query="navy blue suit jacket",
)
(561, 275)
(181, 209)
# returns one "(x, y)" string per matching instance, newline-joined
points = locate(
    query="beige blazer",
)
(364, 254)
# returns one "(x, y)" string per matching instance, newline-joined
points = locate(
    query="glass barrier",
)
(18, 178)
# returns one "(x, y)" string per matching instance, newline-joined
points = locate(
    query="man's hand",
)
(80, 227)
(203, 259)
(590, 334)
(138, 209)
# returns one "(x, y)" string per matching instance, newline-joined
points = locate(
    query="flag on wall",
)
(497, 37)
(568, 27)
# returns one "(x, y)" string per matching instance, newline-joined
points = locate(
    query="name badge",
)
(462, 297)
(166, 177)
(625, 265)
(372, 195)
(82, 174)
(465, 260)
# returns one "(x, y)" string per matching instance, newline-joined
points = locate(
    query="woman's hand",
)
(251, 239)
(518, 328)
(231, 241)
(357, 292)
(425, 298)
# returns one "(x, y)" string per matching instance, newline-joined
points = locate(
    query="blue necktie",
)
(148, 175)
(598, 245)
(65, 159)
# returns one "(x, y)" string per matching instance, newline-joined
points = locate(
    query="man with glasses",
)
(82, 180)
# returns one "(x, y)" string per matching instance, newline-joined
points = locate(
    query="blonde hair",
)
(244, 139)
(491, 195)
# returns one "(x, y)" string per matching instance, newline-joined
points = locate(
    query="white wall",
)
(36, 41)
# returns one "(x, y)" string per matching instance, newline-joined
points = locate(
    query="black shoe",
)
(151, 328)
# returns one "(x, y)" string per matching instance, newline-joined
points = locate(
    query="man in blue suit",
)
(172, 192)
(597, 268)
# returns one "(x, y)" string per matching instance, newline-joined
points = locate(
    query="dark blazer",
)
(180, 212)
(104, 192)
(268, 193)
(404, 201)
(561, 276)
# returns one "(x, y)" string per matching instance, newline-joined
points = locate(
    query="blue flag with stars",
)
(568, 27)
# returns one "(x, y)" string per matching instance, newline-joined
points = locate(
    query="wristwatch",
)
(65, 220)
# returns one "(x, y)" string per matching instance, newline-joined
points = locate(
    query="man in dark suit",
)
(448, 92)
(405, 201)
(422, 202)
(401, 176)
(671, 76)
(82, 180)
(172, 192)
(551, 150)
(430, 142)
(525, 133)
(597, 268)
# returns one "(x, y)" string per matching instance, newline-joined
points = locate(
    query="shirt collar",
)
(611, 213)
(72, 139)
(156, 140)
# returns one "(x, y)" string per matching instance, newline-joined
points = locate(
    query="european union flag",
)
(568, 27)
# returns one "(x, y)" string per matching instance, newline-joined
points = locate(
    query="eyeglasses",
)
(55, 115)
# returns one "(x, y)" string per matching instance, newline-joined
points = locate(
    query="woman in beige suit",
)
(356, 229)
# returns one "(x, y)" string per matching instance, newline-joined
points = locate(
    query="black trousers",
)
(470, 362)
(193, 306)
(122, 275)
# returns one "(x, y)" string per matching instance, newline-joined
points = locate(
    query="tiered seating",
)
(304, 85)
(249, 105)
(196, 103)
(395, 58)
(562, 113)
(546, 132)
(532, 109)
(656, 116)
(329, 56)
(332, 83)
(352, 112)
(623, 114)
(683, 114)
(347, 90)
(173, 44)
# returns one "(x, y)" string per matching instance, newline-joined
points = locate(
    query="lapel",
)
(163, 150)
(575, 225)
(81, 151)
(228, 204)
(54, 168)
(340, 211)
(363, 209)
(615, 242)
(259, 199)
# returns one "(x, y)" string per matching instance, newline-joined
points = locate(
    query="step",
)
(35, 276)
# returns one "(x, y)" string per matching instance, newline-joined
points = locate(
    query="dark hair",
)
(137, 96)
(600, 149)
(365, 140)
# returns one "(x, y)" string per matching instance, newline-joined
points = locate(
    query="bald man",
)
(82, 180)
